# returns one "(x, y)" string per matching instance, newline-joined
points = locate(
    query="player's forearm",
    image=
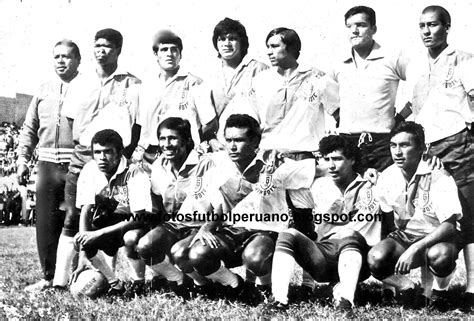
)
(124, 226)
(85, 218)
(442, 233)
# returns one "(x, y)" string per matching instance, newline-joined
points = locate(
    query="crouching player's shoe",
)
(275, 306)
(134, 289)
(117, 288)
(467, 303)
(344, 306)
(207, 290)
(39, 286)
(184, 289)
(158, 283)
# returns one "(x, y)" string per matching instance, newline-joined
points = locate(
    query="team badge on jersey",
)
(121, 195)
(183, 104)
(199, 190)
(265, 187)
(422, 201)
(366, 201)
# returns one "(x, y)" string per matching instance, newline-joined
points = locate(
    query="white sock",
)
(64, 257)
(308, 280)
(224, 276)
(426, 280)
(168, 270)
(100, 262)
(111, 260)
(350, 263)
(264, 279)
(137, 269)
(399, 281)
(283, 267)
(197, 278)
(468, 252)
(442, 284)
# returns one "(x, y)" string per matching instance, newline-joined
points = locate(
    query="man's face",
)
(168, 56)
(239, 146)
(105, 52)
(276, 51)
(360, 31)
(107, 158)
(65, 62)
(173, 147)
(405, 153)
(340, 167)
(229, 46)
(432, 32)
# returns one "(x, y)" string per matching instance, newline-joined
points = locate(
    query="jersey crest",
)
(121, 195)
(199, 190)
(266, 187)
(367, 202)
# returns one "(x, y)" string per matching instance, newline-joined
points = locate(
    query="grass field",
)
(19, 267)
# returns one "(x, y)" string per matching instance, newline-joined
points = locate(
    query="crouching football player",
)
(113, 195)
(344, 236)
(247, 184)
(426, 208)
(171, 177)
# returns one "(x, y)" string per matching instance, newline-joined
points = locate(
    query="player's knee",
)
(257, 256)
(377, 259)
(179, 253)
(150, 251)
(441, 259)
(203, 259)
(130, 239)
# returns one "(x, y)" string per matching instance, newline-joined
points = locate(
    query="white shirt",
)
(435, 200)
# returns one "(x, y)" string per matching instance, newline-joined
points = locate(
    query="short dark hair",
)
(413, 128)
(71, 44)
(108, 137)
(166, 37)
(289, 37)
(349, 149)
(369, 12)
(443, 14)
(227, 26)
(182, 126)
(246, 122)
(111, 35)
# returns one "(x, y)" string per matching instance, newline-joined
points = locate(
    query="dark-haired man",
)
(368, 81)
(252, 185)
(348, 222)
(231, 80)
(113, 195)
(290, 98)
(47, 128)
(107, 100)
(172, 176)
(426, 209)
(172, 94)
(443, 104)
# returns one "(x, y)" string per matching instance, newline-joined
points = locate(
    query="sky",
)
(30, 28)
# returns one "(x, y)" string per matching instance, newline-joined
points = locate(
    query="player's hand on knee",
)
(407, 260)
(206, 237)
(88, 238)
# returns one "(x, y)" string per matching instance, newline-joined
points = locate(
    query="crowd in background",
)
(17, 202)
